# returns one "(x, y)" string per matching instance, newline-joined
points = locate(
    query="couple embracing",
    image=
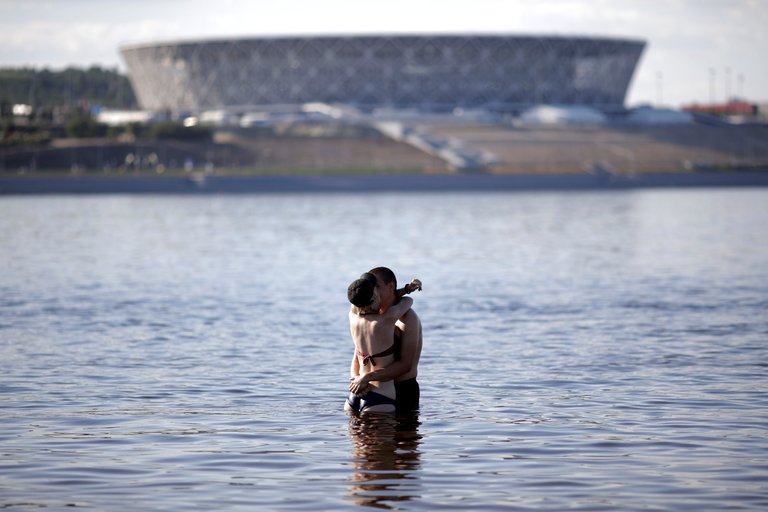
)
(387, 337)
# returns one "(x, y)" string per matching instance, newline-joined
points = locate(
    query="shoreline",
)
(196, 184)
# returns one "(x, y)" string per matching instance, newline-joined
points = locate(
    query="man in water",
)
(407, 338)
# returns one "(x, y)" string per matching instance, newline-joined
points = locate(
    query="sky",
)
(697, 50)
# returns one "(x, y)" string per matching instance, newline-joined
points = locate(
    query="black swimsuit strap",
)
(367, 358)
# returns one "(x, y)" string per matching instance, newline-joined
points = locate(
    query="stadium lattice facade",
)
(427, 72)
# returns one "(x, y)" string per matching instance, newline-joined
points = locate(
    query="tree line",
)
(61, 105)
(45, 88)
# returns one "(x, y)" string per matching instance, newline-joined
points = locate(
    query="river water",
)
(583, 350)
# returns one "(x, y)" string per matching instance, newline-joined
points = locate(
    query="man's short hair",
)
(360, 292)
(385, 274)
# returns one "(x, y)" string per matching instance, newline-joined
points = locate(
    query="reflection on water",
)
(386, 459)
(586, 351)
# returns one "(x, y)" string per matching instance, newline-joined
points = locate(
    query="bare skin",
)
(409, 326)
(371, 332)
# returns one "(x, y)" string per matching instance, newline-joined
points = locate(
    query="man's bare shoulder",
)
(410, 314)
(410, 317)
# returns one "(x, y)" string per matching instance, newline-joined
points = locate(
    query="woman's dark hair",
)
(370, 278)
(360, 292)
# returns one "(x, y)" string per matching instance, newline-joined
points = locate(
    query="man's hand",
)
(359, 385)
(414, 285)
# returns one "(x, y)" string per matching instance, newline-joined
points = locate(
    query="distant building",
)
(734, 107)
(428, 73)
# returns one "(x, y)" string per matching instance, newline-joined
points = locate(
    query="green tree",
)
(84, 125)
(177, 131)
(71, 86)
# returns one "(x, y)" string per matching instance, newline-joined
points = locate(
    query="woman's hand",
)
(414, 285)
(359, 385)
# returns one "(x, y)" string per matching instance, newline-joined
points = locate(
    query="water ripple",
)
(582, 351)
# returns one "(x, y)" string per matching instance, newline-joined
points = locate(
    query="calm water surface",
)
(592, 351)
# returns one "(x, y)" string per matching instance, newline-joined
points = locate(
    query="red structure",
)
(731, 108)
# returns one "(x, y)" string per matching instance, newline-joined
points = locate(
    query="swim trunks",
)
(360, 403)
(407, 393)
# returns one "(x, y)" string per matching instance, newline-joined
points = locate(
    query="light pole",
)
(740, 81)
(659, 88)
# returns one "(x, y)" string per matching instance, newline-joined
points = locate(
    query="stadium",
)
(429, 73)
(524, 104)
(547, 109)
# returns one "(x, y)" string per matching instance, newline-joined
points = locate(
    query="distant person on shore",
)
(407, 338)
